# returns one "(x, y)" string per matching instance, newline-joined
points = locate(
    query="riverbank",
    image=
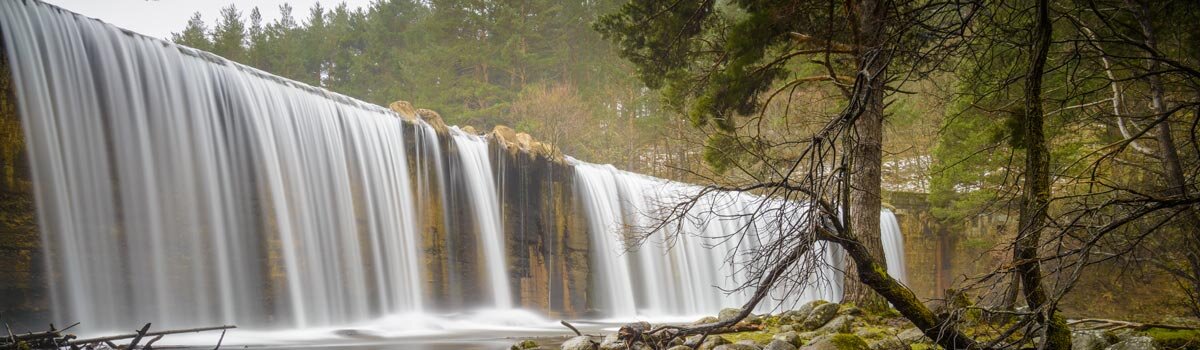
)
(821, 325)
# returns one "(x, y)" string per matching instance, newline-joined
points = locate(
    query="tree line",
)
(534, 65)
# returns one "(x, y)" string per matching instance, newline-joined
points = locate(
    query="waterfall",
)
(179, 187)
(893, 245)
(687, 276)
(473, 152)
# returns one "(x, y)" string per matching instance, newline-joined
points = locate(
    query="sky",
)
(159, 18)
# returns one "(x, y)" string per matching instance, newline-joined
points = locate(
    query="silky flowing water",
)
(177, 187)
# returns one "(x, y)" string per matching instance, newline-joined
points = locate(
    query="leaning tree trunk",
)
(1035, 194)
(867, 152)
(1168, 151)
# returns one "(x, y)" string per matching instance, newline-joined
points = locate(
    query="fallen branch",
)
(147, 334)
(1107, 324)
(573, 329)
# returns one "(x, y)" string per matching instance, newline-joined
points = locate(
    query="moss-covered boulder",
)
(798, 315)
(710, 343)
(838, 341)
(525, 345)
(779, 345)
(820, 315)
(789, 337)
(913, 335)
(737, 347)
(1134, 343)
(728, 313)
(1173, 338)
(839, 324)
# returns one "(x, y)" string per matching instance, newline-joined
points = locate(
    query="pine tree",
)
(194, 35)
(229, 35)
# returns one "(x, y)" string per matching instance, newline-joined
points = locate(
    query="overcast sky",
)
(159, 18)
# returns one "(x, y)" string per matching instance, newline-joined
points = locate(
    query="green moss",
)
(923, 346)
(848, 342)
(759, 337)
(1175, 338)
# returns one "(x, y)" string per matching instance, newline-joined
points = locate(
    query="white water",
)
(477, 168)
(692, 275)
(179, 187)
(167, 176)
(893, 245)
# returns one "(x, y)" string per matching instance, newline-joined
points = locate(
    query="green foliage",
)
(844, 341)
(472, 61)
(1175, 338)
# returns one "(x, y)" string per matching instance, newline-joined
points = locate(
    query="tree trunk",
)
(873, 274)
(1035, 194)
(866, 154)
(1168, 152)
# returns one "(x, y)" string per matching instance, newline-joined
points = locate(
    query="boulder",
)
(913, 335)
(1133, 343)
(728, 313)
(838, 341)
(432, 117)
(839, 324)
(582, 342)
(712, 342)
(788, 337)
(820, 315)
(850, 310)
(737, 347)
(798, 315)
(505, 134)
(1089, 340)
(611, 342)
(705, 319)
(525, 344)
(524, 140)
(404, 109)
(777, 344)
(679, 347)
(787, 328)
(888, 343)
(746, 342)
(469, 129)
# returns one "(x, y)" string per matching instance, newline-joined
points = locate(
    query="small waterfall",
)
(477, 166)
(893, 245)
(691, 274)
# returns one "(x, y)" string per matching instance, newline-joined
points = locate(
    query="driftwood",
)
(57, 338)
(1106, 324)
(573, 329)
(141, 334)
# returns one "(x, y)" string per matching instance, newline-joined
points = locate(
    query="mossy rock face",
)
(1174, 338)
